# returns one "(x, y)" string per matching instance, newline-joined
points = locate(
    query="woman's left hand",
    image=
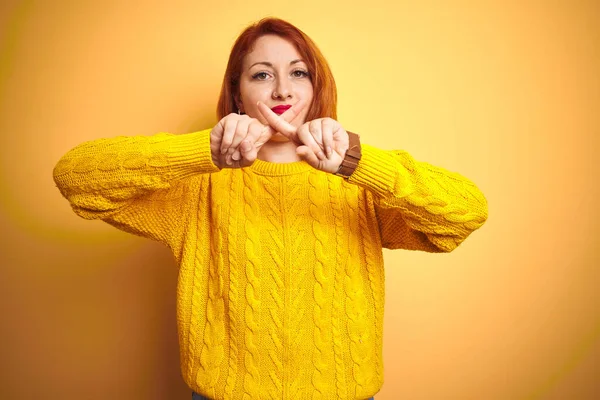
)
(322, 142)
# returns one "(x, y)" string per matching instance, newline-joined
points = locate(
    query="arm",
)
(135, 183)
(419, 206)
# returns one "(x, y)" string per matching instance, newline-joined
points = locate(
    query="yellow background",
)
(505, 93)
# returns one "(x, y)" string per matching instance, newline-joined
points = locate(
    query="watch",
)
(351, 158)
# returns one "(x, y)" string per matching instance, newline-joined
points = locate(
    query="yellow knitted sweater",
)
(281, 280)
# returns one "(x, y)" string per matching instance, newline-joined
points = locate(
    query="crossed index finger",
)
(282, 123)
(293, 111)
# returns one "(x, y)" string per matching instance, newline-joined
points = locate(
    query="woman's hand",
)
(236, 139)
(234, 129)
(321, 142)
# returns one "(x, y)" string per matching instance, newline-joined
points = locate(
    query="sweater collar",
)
(278, 169)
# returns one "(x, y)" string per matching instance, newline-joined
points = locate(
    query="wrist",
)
(351, 157)
(216, 161)
(215, 151)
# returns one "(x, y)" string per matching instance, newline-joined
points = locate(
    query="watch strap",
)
(352, 156)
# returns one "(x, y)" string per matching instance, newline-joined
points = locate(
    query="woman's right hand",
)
(236, 139)
(229, 133)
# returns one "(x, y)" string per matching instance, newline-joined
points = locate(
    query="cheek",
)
(310, 98)
(249, 98)
(251, 109)
(309, 91)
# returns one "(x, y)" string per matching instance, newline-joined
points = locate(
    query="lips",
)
(280, 109)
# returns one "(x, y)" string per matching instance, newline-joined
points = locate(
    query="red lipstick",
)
(281, 109)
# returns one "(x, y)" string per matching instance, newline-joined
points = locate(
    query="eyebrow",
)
(268, 64)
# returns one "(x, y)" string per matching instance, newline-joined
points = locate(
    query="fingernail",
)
(321, 155)
(229, 162)
(236, 156)
(223, 151)
(328, 151)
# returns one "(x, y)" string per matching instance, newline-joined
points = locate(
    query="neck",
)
(278, 152)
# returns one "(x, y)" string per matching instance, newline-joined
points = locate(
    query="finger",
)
(309, 156)
(241, 131)
(276, 122)
(254, 132)
(291, 113)
(229, 132)
(265, 136)
(327, 125)
(340, 139)
(249, 153)
(316, 130)
(228, 160)
(258, 132)
(308, 138)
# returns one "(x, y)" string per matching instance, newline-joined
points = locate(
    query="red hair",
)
(324, 102)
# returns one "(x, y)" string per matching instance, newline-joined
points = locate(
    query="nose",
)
(282, 90)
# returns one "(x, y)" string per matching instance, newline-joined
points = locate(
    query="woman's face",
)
(275, 74)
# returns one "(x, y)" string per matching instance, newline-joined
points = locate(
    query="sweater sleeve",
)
(419, 206)
(136, 183)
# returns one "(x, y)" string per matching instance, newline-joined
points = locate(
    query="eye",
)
(261, 76)
(299, 73)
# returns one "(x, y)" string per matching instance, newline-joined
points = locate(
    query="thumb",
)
(249, 153)
(264, 137)
(309, 156)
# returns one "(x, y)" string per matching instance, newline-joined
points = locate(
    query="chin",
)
(278, 137)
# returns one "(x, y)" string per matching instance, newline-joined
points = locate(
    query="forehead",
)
(273, 49)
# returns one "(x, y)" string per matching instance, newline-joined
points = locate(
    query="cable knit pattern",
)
(199, 317)
(252, 354)
(373, 262)
(189, 322)
(356, 308)
(299, 283)
(235, 279)
(322, 285)
(276, 277)
(338, 284)
(281, 281)
(212, 352)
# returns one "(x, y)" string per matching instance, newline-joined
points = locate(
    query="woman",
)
(277, 217)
